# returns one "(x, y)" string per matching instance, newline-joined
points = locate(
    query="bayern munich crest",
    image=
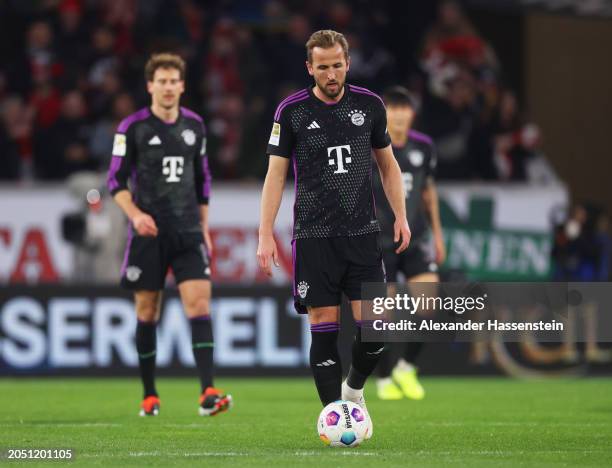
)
(357, 117)
(302, 289)
(416, 158)
(133, 273)
(189, 137)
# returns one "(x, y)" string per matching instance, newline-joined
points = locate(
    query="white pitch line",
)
(341, 452)
(29, 424)
(158, 454)
(515, 423)
(429, 453)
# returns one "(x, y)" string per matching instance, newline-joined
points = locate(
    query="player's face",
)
(329, 68)
(166, 88)
(399, 118)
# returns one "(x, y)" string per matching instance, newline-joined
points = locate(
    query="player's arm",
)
(390, 174)
(280, 147)
(118, 174)
(391, 177)
(203, 180)
(432, 206)
(271, 198)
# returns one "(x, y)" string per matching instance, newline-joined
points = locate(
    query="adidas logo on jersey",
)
(313, 125)
(155, 141)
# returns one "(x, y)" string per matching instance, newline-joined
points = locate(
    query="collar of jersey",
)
(168, 124)
(325, 104)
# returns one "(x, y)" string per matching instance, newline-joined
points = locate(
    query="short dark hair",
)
(164, 60)
(326, 38)
(399, 96)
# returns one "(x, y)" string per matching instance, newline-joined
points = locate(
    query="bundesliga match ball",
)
(343, 424)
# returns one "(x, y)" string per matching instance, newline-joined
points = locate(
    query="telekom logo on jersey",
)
(173, 168)
(337, 157)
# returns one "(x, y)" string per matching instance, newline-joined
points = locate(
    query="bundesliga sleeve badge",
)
(119, 145)
(275, 135)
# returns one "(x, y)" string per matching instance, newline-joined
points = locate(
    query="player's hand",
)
(207, 240)
(401, 231)
(144, 225)
(440, 249)
(267, 254)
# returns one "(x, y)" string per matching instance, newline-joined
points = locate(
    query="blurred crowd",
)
(73, 69)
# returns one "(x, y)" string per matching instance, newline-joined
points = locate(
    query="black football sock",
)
(386, 362)
(203, 345)
(412, 350)
(365, 358)
(325, 361)
(146, 348)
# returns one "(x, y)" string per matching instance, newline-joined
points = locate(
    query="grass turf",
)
(469, 422)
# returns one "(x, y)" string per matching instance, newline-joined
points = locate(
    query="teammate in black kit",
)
(161, 151)
(328, 132)
(415, 154)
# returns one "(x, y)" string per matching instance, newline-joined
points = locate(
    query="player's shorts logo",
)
(302, 289)
(133, 273)
(173, 168)
(416, 158)
(357, 117)
(189, 137)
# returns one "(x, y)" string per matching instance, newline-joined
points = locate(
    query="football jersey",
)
(331, 150)
(417, 161)
(165, 165)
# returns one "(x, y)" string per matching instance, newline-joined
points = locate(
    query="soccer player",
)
(161, 151)
(328, 132)
(415, 154)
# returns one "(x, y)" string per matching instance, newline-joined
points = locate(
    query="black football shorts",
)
(324, 268)
(411, 262)
(147, 260)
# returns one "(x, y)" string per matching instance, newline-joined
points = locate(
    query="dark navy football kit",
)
(336, 244)
(164, 165)
(417, 161)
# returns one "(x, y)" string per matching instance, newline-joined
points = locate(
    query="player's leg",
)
(365, 265)
(386, 389)
(191, 269)
(143, 272)
(405, 371)
(317, 272)
(324, 357)
(147, 312)
(195, 295)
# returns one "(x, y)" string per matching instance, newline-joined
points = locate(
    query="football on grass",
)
(343, 424)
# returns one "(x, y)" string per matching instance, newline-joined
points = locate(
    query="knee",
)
(197, 307)
(322, 315)
(147, 308)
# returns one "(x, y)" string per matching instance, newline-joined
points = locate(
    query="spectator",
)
(10, 163)
(16, 138)
(103, 132)
(63, 148)
(45, 98)
(514, 143)
(450, 122)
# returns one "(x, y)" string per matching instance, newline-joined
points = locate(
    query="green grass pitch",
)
(462, 421)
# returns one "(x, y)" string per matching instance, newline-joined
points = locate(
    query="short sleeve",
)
(121, 162)
(281, 137)
(380, 136)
